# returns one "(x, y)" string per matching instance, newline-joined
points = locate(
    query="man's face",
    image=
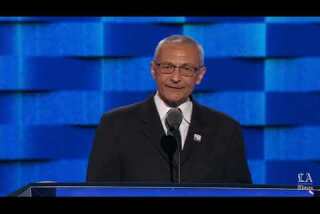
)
(175, 88)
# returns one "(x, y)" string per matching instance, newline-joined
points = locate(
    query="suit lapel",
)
(196, 133)
(151, 126)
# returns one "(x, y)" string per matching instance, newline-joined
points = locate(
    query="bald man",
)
(131, 142)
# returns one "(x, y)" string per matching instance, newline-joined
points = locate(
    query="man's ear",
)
(201, 74)
(152, 70)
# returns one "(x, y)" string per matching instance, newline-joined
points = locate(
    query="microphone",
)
(173, 120)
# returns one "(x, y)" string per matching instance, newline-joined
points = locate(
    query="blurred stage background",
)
(59, 74)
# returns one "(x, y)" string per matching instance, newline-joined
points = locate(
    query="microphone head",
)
(174, 118)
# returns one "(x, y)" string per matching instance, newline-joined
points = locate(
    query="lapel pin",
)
(197, 138)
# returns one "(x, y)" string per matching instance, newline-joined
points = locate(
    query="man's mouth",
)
(174, 87)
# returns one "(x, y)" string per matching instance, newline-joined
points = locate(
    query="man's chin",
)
(174, 102)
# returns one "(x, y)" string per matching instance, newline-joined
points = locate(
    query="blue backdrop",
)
(59, 74)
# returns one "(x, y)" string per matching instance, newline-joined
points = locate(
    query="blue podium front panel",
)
(162, 191)
(180, 192)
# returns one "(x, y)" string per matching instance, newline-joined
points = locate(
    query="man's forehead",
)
(178, 51)
(183, 50)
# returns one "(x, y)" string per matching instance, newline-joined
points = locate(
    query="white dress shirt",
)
(186, 109)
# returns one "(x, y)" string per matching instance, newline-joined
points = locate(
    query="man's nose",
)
(176, 76)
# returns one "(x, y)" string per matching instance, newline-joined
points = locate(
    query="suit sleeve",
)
(104, 161)
(237, 166)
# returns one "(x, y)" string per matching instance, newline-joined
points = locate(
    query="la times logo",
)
(305, 181)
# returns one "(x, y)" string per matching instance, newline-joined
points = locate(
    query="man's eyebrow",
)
(188, 64)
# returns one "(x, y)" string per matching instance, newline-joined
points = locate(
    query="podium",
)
(160, 190)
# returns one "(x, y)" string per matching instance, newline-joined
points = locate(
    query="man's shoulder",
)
(125, 112)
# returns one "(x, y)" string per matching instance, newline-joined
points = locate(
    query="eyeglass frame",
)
(195, 69)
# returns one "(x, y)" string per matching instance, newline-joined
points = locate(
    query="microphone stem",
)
(179, 167)
(178, 139)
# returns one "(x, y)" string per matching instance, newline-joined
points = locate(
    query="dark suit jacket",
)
(127, 148)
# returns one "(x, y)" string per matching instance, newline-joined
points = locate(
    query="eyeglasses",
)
(185, 70)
